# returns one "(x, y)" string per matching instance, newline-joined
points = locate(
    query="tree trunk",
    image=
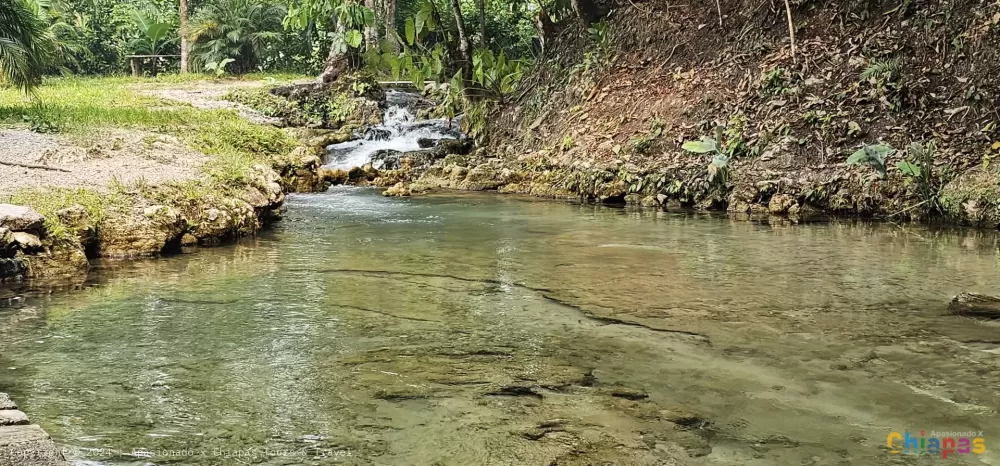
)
(390, 23)
(337, 63)
(463, 40)
(371, 30)
(482, 22)
(587, 11)
(184, 35)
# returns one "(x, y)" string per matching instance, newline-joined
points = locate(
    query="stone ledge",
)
(12, 417)
(6, 402)
(28, 445)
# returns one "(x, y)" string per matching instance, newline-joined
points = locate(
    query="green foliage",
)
(925, 181)
(718, 168)
(238, 30)
(873, 156)
(44, 119)
(496, 75)
(25, 48)
(884, 69)
(154, 35)
(886, 82)
(643, 144)
(703, 146)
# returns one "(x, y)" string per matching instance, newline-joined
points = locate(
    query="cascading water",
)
(400, 131)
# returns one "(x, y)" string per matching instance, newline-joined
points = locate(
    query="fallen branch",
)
(38, 167)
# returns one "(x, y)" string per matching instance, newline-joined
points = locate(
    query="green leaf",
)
(858, 158)
(705, 145)
(353, 38)
(411, 32)
(909, 169)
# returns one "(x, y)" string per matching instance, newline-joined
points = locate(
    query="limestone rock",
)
(28, 446)
(77, 219)
(140, 234)
(20, 218)
(12, 417)
(780, 203)
(61, 259)
(8, 247)
(27, 241)
(400, 189)
(6, 402)
(975, 305)
(12, 268)
(188, 240)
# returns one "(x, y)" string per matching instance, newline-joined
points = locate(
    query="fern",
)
(881, 69)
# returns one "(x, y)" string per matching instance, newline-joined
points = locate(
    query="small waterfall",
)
(400, 131)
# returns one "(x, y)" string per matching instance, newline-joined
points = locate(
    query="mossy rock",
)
(973, 198)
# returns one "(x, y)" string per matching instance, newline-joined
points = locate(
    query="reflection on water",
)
(475, 329)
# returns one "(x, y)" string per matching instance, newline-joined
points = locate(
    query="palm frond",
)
(24, 48)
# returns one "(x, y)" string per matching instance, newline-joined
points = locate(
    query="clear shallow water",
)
(477, 329)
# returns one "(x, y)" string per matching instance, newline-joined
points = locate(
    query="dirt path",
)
(95, 161)
(31, 160)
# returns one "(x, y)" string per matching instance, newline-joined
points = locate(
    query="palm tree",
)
(237, 30)
(23, 48)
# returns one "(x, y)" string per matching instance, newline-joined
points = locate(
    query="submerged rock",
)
(975, 305)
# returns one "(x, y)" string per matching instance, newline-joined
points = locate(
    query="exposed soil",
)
(95, 162)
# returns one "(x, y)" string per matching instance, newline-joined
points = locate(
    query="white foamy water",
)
(399, 131)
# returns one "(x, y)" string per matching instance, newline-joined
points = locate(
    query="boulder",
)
(77, 219)
(377, 134)
(780, 203)
(12, 268)
(975, 305)
(12, 417)
(8, 247)
(140, 234)
(6, 402)
(20, 218)
(27, 241)
(387, 159)
(426, 143)
(28, 446)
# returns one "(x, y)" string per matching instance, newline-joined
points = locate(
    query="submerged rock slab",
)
(975, 305)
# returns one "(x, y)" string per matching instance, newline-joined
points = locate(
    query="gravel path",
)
(125, 155)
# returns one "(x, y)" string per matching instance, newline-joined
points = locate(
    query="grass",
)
(80, 107)
(51, 200)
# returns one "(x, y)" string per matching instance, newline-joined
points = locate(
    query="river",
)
(472, 329)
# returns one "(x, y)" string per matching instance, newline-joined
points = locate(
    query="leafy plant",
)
(44, 119)
(873, 156)
(718, 168)
(218, 68)
(886, 80)
(920, 173)
(238, 30)
(24, 46)
(642, 144)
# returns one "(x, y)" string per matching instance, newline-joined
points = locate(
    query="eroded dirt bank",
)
(604, 117)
